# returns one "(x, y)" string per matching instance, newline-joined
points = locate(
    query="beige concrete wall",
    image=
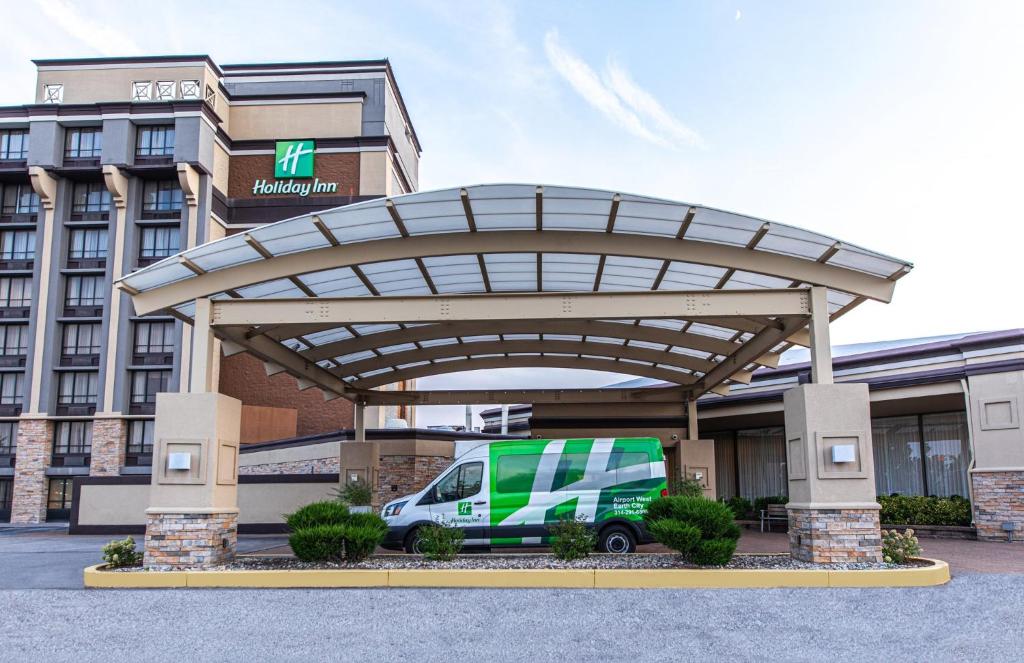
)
(221, 168)
(697, 457)
(114, 83)
(997, 404)
(281, 121)
(374, 175)
(125, 504)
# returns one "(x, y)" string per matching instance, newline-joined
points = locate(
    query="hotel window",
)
(142, 90)
(154, 337)
(147, 384)
(13, 340)
(89, 198)
(155, 141)
(10, 388)
(140, 436)
(14, 144)
(161, 196)
(159, 242)
(81, 339)
(53, 93)
(8, 438)
(88, 244)
(19, 199)
(85, 291)
(6, 496)
(73, 437)
(903, 466)
(211, 97)
(83, 142)
(15, 291)
(17, 245)
(77, 388)
(165, 90)
(190, 89)
(761, 458)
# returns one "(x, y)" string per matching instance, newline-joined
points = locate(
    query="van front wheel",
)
(616, 539)
(413, 543)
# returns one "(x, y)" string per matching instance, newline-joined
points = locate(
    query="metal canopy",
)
(492, 276)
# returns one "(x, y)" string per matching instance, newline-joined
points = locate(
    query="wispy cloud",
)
(97, 35)
(619, 98)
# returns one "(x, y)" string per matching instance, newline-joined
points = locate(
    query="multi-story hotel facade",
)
(121, 162)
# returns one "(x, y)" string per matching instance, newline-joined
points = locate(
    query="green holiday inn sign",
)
(293, 160)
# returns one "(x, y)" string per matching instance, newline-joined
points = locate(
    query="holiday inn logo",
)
(294, 158)
(465, 509)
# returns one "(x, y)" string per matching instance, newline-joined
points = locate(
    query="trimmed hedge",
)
(318, 513)
(326, 531)
(319, 543)
(922, 510)
(703, 531)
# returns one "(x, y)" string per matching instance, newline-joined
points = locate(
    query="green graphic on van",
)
(465, 509)
(294, 158)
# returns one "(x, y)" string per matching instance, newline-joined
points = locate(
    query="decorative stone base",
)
(190, 540)
(405, 475)
(835, 535)
(998, 499)
(35, 447)
(109, 439)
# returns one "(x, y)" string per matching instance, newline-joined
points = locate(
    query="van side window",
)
(464, 481)
(515, 473)
(620, 459)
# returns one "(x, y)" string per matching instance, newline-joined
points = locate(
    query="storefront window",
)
(725, 465)
(947, 453)
(897, 451)
(761, 456)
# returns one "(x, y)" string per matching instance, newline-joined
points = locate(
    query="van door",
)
(459, 499)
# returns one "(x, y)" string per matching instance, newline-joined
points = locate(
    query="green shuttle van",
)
(507, 493)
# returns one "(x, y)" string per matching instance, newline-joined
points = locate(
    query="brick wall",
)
(998, 499)
(35, 447)
(109, 439)
(835, 535)
(404, 475)
(190, 540)
(242, 376)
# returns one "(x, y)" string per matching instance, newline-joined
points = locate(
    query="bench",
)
(772, 513)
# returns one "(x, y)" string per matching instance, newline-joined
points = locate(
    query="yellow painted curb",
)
(561, 578)
(94, 577)
(922, 576)
(708, 578)
(293, 578)
(918, 576)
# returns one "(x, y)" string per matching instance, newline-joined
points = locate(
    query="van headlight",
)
(394, 509)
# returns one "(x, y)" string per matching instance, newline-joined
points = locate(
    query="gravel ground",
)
(542, 561)
(977, 617)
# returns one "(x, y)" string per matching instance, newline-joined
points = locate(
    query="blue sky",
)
(892, 125)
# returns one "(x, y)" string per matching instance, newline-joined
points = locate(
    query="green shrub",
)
(355, 493)
(362, 537)
(440, 543)
(571, 539)
(922, 510)
(317, 513)
(676, 535)
(898, 547)
(703, 531)
(120, 553)
(741, 507)
(318, 543)
(686, 488)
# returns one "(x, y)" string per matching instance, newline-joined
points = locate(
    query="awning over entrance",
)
(494, 276)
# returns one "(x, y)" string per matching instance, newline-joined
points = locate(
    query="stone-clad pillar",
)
(192, 519)
(833, 514)
(109, 442)
(35, 447)
(997, 433)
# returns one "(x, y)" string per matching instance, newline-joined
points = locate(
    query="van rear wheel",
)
(413, 543)
(616, 539)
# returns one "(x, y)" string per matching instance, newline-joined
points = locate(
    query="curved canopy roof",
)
(486, 247)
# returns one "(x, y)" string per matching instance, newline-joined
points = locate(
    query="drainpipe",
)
(469, 418)
(504, 420)
(970, 443)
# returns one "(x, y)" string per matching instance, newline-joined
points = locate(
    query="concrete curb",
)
(920, 576)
